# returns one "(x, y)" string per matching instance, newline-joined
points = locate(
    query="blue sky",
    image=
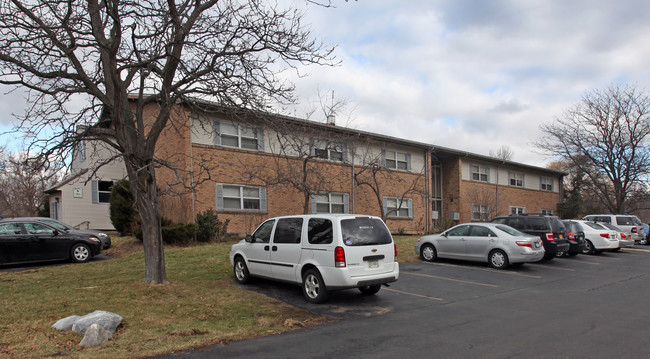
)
(470, 75)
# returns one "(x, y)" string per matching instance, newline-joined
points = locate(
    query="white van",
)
(320, 252)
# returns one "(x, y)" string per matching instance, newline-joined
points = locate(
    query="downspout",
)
(427, 214)
(192, 174)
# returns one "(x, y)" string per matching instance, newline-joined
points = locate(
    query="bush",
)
(209, 227)
(173, 233)
(122, 211)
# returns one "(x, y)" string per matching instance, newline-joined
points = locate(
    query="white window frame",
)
(397, 160)
(516, 179)
(242, 197)
(391, 205)
(332, 200)
(95, 192)
(481, 212)
(547, 212)
(546, 184)
(517, 210)
(477, 173)
(330, 151)
(243, 133)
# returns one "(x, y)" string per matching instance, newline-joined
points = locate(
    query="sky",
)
(468, 75)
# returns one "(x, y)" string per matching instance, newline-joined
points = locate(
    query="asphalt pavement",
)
(581, 307)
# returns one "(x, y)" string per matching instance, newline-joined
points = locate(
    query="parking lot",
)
(586, 306)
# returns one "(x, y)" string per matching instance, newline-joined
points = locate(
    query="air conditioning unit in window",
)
(455, 216)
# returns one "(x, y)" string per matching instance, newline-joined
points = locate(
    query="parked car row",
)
(39, 239)
(515, 239)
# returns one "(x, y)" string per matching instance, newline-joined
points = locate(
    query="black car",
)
(576, 237)
(549, 228)
(23, 241)
(103, 236)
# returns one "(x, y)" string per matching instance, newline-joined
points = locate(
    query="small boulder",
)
(95, 335)
(65, 323)
(107, 320)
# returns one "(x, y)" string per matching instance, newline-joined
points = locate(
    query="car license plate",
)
(373, 263)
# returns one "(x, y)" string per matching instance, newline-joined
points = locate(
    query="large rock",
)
(95, 335)
(107, 320)
(65, 323)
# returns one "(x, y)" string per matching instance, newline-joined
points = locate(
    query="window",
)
(319, 231)
(10, 228)
(397, 160)
(547, 212)
(398, 207)
(480, 231)
(263, 232)
(459, 231)
(37, 228)
(241, 198)
(288, 230)
(330, 203)
(517, 210)
(82, 150)
(239, 136)
(481, 212)
(546, 184)
(480, 173)
(101, 191)
(516, 179)
(364, 232)
(329, 151)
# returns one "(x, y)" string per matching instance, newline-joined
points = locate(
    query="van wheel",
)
(428, 253)
(370, 289)
(80, 253)
(313, 286)
(498, 259)
(241, 271)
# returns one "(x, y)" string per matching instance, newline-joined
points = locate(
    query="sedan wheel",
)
(589, 248)
(428, 253)
(498, 259)
(80, 253)
(313, 286)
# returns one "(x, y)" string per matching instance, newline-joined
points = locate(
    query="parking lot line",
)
(549, 267)
(452, 279)
(486, 270)
(637, 250)
(413, 294)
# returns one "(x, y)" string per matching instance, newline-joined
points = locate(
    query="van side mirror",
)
(249, 238)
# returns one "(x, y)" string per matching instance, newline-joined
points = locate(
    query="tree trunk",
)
(143, 187)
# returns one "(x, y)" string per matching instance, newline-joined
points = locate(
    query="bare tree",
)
(606, 136)
(22, 184)
(85, 62)
(373, 174)
(503, 153)
(483, 202)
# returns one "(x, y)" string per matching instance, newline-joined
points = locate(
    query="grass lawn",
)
(200, 307)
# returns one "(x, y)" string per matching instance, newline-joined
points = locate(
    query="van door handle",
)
(266, 248)
(274, 248)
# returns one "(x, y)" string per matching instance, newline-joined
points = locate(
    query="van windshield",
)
(364, 232)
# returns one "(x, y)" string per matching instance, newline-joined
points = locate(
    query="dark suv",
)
(549, 228)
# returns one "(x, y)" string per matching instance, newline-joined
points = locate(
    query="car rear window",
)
(557, 225)
(595, 225)
(364, 232)
(511, 231)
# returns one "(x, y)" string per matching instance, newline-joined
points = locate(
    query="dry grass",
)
(200, 307)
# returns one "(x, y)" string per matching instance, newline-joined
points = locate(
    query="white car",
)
(497, 244)
(623, 240)
(320, 252)
(598, 238)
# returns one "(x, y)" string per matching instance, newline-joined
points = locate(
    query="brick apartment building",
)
(249, 167)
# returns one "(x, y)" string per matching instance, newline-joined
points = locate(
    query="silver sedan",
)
(498, 244)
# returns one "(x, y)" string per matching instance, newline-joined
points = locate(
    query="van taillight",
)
(339, 257)
(623, 235)
(549, 237)
(634, 230)
(395, 246)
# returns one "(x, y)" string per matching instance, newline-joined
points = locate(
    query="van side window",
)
(320, 231)
(288, 230)
(263, 233)
(537, 224)
(517, 223)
